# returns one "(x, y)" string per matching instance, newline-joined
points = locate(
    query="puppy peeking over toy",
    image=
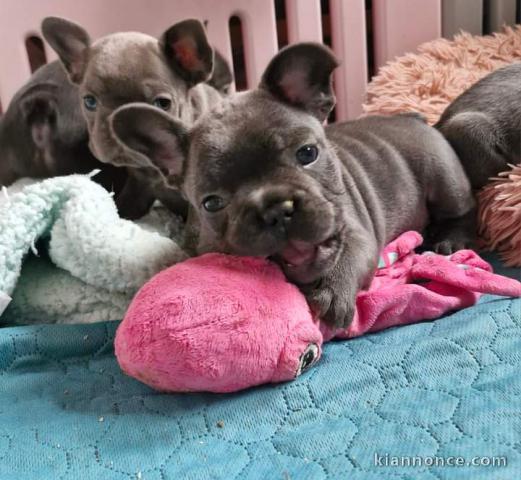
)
(268, 180)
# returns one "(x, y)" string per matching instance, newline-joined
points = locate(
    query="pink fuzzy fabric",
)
(428, 81)
(422, 287)
(221, 323)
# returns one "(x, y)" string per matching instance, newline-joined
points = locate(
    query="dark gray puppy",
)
(43, 135)
(266, 178)
(133, 67)
(484, 124)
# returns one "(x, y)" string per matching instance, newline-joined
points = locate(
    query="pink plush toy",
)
(220, 323)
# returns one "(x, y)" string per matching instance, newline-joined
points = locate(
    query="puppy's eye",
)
(307, 154)
(164, 103)
(90, 102)
(213, 203)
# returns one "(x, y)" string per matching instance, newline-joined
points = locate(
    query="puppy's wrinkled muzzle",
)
(294, 225)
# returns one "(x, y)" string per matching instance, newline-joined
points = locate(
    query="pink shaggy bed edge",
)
(442, 69)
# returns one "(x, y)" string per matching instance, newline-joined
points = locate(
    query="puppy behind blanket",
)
(267, 179)
(43, 133)
(484, 124)
(133, 67)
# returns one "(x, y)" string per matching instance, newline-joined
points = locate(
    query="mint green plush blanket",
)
(67, 257)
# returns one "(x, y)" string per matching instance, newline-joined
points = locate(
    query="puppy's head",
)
(130, 67)
(258, 169)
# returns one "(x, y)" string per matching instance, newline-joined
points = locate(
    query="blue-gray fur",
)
(484, 124)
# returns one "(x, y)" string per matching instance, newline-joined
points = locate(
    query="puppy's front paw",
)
(448, 246)
(132, 210)
(334, 305)
(452, 235)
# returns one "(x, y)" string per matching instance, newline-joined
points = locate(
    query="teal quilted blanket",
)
(431, 401)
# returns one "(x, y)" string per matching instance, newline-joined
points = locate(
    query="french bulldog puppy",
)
(133, 67)
(483, 124)
(43, 135)
(266, 178)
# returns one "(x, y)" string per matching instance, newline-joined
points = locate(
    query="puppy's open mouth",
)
(299, 257)
(299, 253)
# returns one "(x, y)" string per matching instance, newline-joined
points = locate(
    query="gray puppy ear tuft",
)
(300, 75)
(154, 135)
(71, 42)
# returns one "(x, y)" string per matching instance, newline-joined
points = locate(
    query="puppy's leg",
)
(191, 232)
(111, 178)
(7, 175)
(173, 200)
(479, 145)
(333, 297)
(452, 234)
(451, 205)
(135, 199)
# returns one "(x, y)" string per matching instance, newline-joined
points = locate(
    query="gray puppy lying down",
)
(484, 124)
(133, 67)
(266, 178)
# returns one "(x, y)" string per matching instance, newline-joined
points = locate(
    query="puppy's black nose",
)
(278, 214)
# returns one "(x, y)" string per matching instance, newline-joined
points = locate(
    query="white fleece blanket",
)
(67, 257)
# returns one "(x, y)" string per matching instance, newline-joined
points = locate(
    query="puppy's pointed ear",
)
(188, 52)
(222, 75)
(71, 42)
(38, 107)
(300, 75)
(161, 141)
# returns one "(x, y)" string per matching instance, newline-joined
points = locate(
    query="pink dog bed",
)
(428, 81)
